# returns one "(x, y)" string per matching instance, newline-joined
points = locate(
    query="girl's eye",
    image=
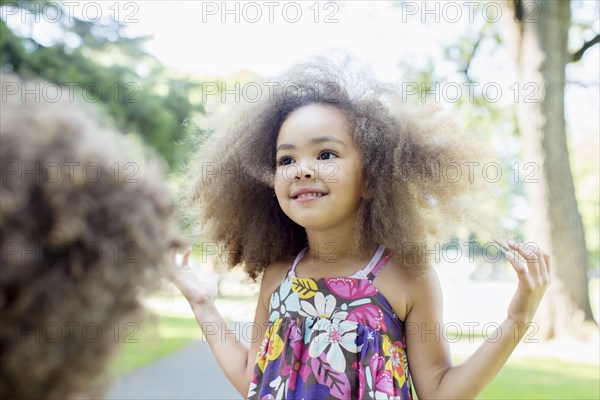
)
(326, 155)
(285, 160)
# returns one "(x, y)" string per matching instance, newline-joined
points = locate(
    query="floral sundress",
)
(332, 338)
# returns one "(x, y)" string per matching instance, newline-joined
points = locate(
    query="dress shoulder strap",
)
(292, 269)
(369, 272)
(364, 273)
(382, 263)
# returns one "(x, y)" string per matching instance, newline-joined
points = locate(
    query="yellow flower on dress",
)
(396, 361)
(271, 346)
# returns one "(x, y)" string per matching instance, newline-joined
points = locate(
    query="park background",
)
(154, 68)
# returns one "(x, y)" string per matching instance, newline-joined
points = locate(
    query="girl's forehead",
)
(314, 120)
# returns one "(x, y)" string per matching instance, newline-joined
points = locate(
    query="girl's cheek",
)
(280, 183)
(285, 174)
(328, 171)
(278, 175)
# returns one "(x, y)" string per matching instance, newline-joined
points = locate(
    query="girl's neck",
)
(323, 248)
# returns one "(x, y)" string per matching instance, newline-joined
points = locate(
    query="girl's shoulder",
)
(273, 274)
(402, 287)
(277, 270)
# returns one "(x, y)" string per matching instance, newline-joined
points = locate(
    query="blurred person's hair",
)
(85, 222)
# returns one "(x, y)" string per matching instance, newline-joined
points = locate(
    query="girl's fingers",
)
(532, 251)
(172, 255)
(545, 266)
(528, 252)
(544, 269)
(186, 256)
(548, 266)
(519, 267)
(537, 262)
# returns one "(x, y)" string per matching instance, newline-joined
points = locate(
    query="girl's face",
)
(319, 179)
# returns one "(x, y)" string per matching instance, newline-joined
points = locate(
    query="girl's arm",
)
(232, 355)
(431, 367)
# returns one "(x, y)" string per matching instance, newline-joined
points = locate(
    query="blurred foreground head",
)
(85, 221)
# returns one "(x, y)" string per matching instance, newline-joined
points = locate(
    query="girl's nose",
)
(304, 170)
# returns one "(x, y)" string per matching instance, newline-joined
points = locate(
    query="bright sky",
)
(220, 37)
(215, 39)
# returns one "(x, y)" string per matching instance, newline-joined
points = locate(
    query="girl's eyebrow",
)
(319, 139)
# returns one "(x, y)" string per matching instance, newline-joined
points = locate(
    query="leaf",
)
(337, 382)
(306, 288)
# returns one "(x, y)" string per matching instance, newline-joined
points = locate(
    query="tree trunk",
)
(540, 31)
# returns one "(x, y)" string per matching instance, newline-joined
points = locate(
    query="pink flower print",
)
(351, 288)
(369, 315)
(382, 378)
(384, 383)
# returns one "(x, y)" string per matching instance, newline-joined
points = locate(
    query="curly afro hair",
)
(411, 157)
(85, 221)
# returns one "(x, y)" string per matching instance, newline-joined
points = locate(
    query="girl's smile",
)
(303, 198)
(304, 195)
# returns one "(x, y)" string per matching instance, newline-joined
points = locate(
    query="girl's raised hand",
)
(197, 291)
(532, 265)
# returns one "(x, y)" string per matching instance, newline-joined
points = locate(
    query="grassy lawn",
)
(157, 337)
(545, 378)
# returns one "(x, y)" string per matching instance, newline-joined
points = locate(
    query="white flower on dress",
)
(324, 307)
(382, 396)
(252, 390)
(331, 338)
(278, 385)
(284, 300)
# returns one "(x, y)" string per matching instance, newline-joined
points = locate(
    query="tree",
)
(103, 61)
(539, 34)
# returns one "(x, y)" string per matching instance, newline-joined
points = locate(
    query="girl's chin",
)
(315, 222)
(306, 222)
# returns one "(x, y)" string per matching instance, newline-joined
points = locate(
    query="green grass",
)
(545, 378)
(157, 337)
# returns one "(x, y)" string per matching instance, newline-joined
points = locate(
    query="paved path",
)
(191, 373)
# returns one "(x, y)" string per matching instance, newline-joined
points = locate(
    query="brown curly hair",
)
(84, 225)
(411, 156)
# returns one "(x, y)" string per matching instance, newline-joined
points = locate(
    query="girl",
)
(331, 191)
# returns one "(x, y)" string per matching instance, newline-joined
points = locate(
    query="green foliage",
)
(490, 122)
(159, 336)
(496, 123)
(545, 378)
(104, 65)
